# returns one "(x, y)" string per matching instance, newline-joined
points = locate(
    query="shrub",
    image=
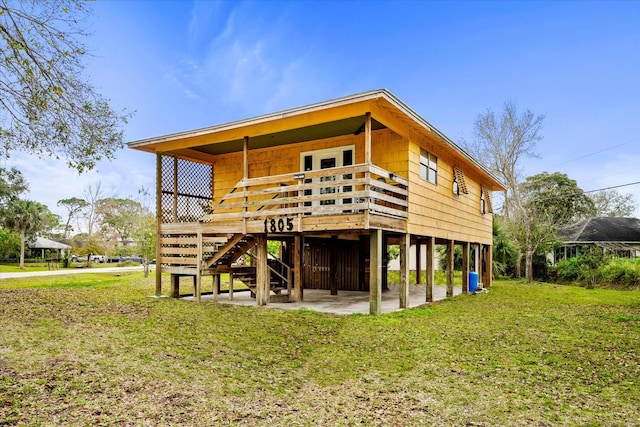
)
(568, 269)
(622, 272)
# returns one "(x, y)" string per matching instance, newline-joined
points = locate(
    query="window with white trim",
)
(428, 167)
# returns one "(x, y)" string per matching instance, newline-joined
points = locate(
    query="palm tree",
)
(27, 218)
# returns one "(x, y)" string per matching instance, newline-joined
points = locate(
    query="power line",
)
(598, 152)
(611, 188)
(625, 172)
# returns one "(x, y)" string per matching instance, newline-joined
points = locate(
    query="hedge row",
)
(617, 272)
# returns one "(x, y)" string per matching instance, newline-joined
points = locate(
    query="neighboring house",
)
(334, 183)
(616, 235)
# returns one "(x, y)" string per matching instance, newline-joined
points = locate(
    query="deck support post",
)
(333, 266)
(450, 252)
(465, 267)
(375, 271)
(198, 277)
(297, 268)
(216, 287)
(231, 285)
(418, 262)
(405, 248)
(487, 264)
(175, 286)
(262, 271)
(158, 222)
(430, 270)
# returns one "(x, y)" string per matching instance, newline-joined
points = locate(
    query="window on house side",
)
(458, 178)
(485, 200)
(428, 167)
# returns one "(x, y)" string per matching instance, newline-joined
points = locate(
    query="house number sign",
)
(278, 225)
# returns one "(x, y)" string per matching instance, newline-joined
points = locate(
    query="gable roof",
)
(602, 230)
(44, 243)
(336, 117)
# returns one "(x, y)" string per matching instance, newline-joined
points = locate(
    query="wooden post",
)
(367, 174)
(245, 176)
(465, 267)
(245, 158)
(333, 266)
(405, 248)
(216, 287)
(476, 260)
(175, 286)
(430, 268)
(175, 190)
(230, 285)
(158, 224)
(198, 277)
(262, 271)
(297, 267)
(418, 262)
(367, 139)
(489, 262)
(375, 271)
(450, 246)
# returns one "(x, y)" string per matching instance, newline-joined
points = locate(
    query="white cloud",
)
(51, 180)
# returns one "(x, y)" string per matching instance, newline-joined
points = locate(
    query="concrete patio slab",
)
(345, 303)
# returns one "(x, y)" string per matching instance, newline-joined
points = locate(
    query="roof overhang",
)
(337, 117)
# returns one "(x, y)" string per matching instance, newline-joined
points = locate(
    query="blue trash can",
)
(473, 281)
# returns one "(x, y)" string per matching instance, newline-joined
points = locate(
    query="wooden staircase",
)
(279, 292)
(189, 254)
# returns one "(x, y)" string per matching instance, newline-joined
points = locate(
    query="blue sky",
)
(181, 65)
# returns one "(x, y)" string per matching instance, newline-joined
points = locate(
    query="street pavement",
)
(19, 274)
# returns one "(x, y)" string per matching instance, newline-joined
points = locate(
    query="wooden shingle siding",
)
(435, 211)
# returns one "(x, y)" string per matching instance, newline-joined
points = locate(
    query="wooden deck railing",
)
(344, 190)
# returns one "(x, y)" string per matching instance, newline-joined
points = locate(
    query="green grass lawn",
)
(92, 349)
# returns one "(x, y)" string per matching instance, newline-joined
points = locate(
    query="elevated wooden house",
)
(334, 182)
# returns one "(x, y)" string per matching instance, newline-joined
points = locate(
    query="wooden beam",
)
(405, 248)
(450, 252)
(297, 267)
(375, 271)
(245, 158)
(465, 267)
(262, 271)
(430, 243)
